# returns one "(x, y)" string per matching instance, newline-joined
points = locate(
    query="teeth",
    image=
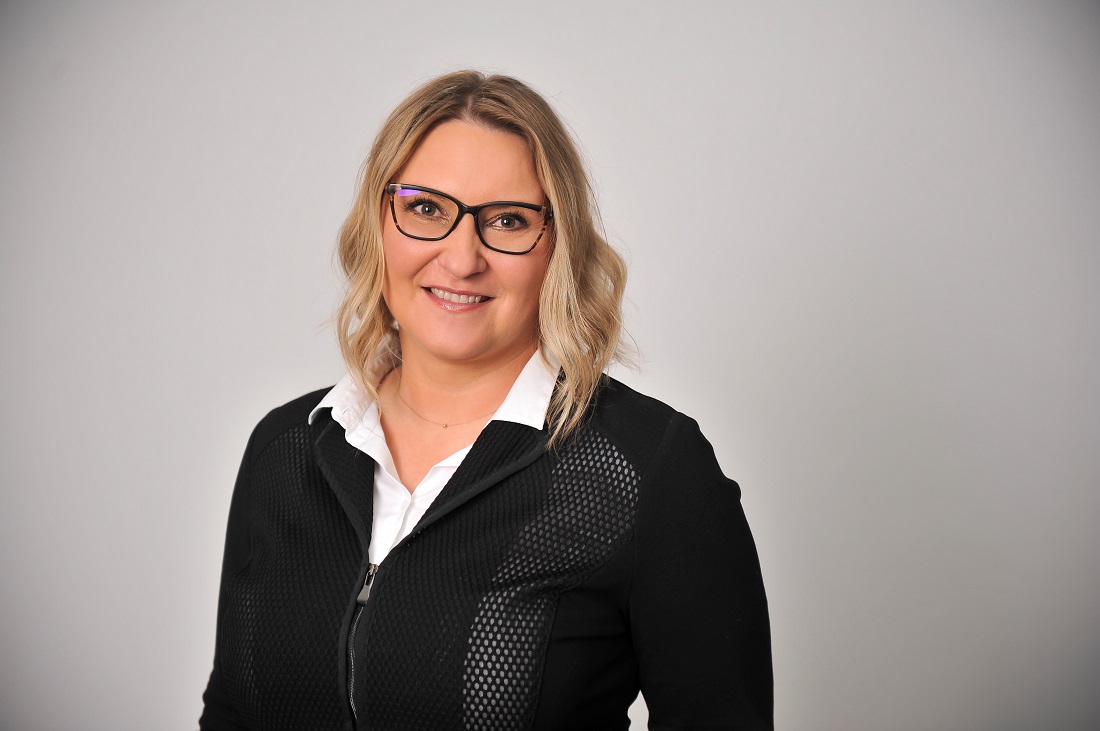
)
(460, 299)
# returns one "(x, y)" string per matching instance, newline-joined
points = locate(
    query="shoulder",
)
(619, 406)
(643, 427)
(288, 417)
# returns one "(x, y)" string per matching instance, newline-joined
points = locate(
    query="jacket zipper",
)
(361, 600)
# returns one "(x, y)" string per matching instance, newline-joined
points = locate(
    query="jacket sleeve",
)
(220, 712)
(698, 613)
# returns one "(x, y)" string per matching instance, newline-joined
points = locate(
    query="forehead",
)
(474, 163)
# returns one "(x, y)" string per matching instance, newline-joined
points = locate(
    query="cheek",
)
(531, 282)
(393, 252)
(400, 258)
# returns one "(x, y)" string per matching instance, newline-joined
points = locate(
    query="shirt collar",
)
(529, 398)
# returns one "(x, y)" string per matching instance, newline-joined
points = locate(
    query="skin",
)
(458, 360)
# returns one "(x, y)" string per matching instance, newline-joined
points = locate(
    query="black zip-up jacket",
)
(541, 590)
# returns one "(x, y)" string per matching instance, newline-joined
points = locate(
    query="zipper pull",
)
(364, 593)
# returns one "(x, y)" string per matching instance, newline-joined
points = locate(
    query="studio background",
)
(864, 248)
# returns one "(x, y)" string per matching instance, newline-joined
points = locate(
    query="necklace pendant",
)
(444, 426)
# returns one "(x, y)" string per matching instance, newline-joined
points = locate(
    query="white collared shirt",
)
(396, 510)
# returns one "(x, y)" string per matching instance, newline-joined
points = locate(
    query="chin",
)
(486, 350)
(455, 351)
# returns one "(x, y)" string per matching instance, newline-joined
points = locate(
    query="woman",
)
(476, 528)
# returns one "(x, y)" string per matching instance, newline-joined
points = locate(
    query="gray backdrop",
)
(864, 242)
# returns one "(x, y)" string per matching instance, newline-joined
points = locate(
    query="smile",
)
(458, 299)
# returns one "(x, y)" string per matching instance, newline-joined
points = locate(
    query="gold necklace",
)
(443, 424)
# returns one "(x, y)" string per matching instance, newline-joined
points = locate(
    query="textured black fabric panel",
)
(284, 607)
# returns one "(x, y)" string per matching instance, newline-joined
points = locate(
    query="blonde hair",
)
(580, 308)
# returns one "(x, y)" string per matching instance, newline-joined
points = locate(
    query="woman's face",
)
(456, 300)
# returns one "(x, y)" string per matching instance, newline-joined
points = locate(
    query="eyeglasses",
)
(431, 215)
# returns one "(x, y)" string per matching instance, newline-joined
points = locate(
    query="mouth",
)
(458, 299)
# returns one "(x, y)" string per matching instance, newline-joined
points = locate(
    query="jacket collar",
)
(350, 474)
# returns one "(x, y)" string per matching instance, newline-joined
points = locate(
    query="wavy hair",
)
(580, 306)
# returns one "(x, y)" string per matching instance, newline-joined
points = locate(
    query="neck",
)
(454, 392)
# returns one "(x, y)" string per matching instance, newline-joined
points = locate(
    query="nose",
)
(462, 254)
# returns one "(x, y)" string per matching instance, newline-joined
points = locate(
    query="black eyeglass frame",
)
(463, 209)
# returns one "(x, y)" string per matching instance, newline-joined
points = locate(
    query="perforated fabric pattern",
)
(588, 512)
(285, 607)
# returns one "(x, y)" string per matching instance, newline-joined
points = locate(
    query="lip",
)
(456, 306)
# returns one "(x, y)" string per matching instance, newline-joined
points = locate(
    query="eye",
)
(425, 207)
(509, 221)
